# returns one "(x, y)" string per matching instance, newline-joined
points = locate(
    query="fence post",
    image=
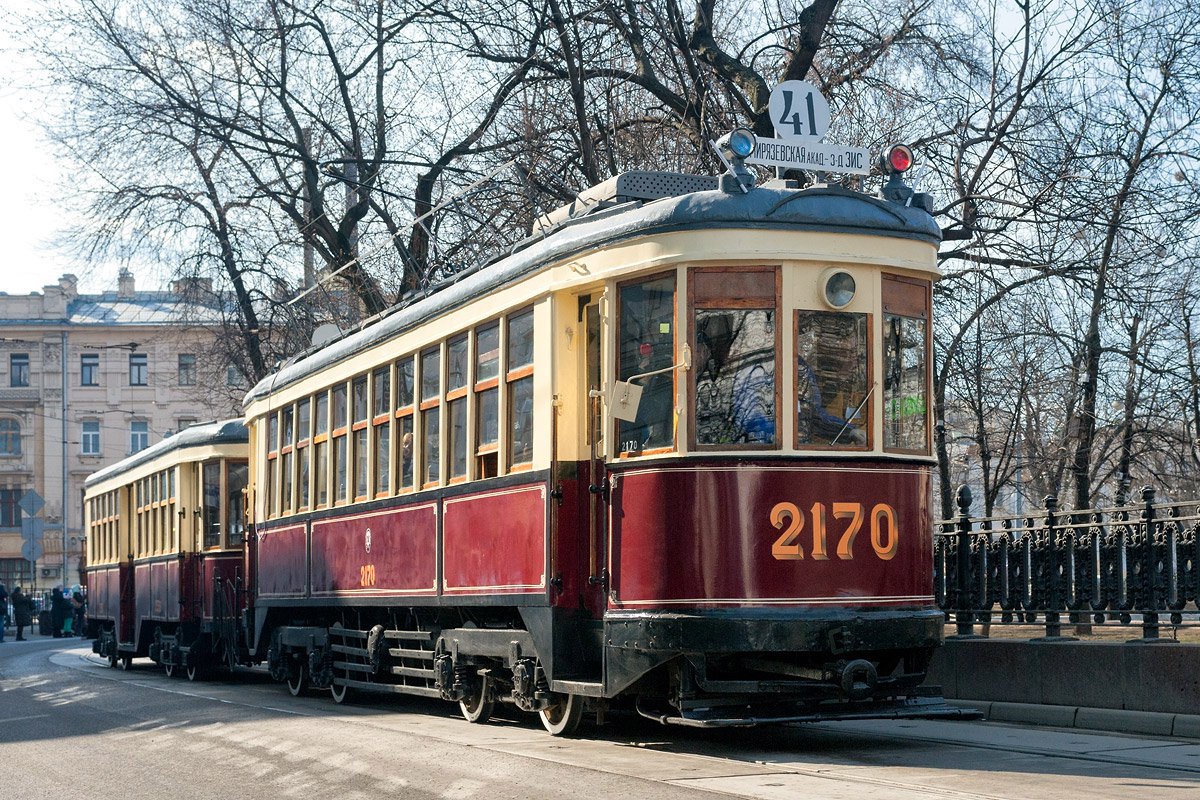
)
(1054, 599)
(964, 618)
(1149, 573)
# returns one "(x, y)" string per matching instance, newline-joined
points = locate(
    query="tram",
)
(671, 453)
(165, 551)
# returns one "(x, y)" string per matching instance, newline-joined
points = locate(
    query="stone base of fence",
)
(1095, 675)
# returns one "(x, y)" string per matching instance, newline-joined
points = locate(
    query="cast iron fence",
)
(1136, 565)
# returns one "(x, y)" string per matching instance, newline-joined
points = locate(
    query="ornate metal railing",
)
(1133, 566)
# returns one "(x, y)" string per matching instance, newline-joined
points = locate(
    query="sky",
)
(30, 219)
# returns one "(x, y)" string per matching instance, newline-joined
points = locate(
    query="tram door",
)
(597, 506)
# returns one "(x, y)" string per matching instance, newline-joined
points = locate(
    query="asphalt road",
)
(70, 727)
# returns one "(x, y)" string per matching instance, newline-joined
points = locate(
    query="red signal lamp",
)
(897, 159)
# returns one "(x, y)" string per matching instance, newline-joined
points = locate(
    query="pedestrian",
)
(78, 609)
(22, 612)
(3, 611)
(58, 612)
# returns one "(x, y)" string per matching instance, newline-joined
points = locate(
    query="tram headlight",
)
(837, 287)
(739, 142)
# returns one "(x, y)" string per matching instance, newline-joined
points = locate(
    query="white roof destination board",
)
(811, 154)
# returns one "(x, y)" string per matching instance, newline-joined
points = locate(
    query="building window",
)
(139, 369)
(186, 422)
(234, 376)
(187, 369)
(90, 437)
(18, 365)
(10, 437)
(89, 369)
(139, 435)
(10, 512)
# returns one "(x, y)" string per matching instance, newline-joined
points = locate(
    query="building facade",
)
(86, 380)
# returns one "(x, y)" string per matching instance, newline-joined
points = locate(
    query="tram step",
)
(393, 688)
(348, 650)
(347, 633)
(350, 666)
(400, 652)
(413, 672)
(415, 636)
(584, 688)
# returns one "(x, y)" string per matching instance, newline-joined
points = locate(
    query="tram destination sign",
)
(811, 154)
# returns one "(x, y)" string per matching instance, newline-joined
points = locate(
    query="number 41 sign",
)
(798, 110)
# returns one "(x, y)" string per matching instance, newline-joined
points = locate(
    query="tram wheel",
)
(297, 679)
(562, 717)
(125, 662)
(169, 669)
(112, 658)
(340, 692)
(195, 672)
(479, 706)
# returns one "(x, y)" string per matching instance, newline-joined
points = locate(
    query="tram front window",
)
(831, 380)
(647, 345)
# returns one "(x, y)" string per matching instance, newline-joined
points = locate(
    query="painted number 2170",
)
(790, 519)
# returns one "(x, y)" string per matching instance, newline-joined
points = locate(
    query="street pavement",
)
(70, 727)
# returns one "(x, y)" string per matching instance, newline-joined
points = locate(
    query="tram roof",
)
(828, 209)
(230, 431)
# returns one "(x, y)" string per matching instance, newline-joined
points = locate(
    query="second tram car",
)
(165, 533)
(672, 452)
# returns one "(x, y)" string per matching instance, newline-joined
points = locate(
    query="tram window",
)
(381, 391)
(340, 459)
(382, 458)
(360, 398)
(360, 434)
(272, 498)
(404, 424)
(647, 344)
(831, 380)
(287, 477)
(211, 492)
(734, 325)
(321, 449)
(519, 377)
(456, 404)
(487, 399)
(905, 363)
(303, 451)
(237, 475)
(405, 456)
(430, 420)
(339, 407)
(340, 444)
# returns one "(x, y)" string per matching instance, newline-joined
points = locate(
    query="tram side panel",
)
(494, 543)
(718, 534)
(390, 552)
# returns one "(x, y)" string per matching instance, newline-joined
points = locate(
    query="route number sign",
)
(798, 110)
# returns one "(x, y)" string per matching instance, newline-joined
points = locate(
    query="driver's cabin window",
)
(735, 388)
(833, 409)
(646, 354)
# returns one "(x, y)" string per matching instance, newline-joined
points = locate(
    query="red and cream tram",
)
(165, 533)
(672, 453)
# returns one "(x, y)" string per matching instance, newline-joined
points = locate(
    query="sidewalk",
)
(1151, 723)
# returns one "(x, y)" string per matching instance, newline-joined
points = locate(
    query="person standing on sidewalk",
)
(3, 611)
(22, 612)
